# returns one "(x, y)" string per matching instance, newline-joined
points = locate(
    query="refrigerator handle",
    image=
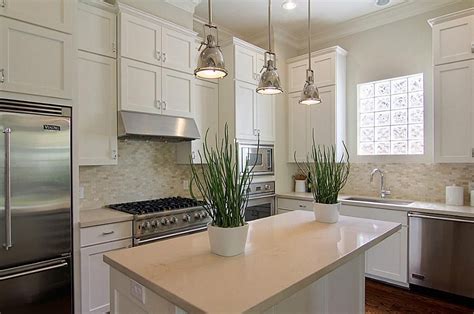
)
(8, 191)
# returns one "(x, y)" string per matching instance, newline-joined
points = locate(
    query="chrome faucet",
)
(383, 192)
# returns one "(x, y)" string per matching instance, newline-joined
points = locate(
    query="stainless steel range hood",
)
(156, 126)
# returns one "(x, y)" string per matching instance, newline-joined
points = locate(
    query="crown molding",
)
(186, 5)
(398, 12)
(451, 16)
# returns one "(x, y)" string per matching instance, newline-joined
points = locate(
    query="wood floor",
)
(382, 298)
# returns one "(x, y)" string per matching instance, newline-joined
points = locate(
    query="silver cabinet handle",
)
(114, 154)
(8, 191)
(164, 105)
(472, 47)
(108, 232)
(193, 155)
(114, 49)
(158, 55)
(62, 263)
(302, 206)
(3, 3)
(158, 104)
(164, 56)
(2, 75)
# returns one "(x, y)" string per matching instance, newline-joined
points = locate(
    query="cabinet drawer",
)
(290, 204)
(105, 233)
(396, 216)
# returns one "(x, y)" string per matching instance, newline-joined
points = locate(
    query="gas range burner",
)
(155, 206)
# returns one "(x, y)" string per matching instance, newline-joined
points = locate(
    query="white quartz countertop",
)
(415, 206)
(101, 216)
(284, 254)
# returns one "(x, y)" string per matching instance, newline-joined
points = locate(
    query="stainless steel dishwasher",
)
(442, 253)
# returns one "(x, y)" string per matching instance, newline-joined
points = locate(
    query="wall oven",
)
(261, 157)
(261, 201)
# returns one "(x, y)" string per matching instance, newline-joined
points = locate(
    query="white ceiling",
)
(248, 18)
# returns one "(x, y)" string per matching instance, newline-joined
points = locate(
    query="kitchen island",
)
(291, 264)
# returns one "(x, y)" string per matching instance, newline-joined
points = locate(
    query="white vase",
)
(300, 186)
(327, 213)
(228, 241)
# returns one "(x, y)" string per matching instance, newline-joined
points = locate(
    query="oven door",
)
(260, 207)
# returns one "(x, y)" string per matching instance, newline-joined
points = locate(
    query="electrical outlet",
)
(81, 192)
(137, 291)
(186, 185)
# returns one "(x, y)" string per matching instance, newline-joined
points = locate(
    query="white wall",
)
(396, 49)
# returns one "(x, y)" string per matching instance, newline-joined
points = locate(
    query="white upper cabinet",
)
(177, 93)
(324, 63)
(35, 60)
(453, 55)
(325, 120)
(265, 117)
(140, 39)
(454, 112)
(151, 40)
(245, 105)
(453, 37)
(54, 14)
(97, 110)
(248, 64)
(178, 51)
(140, 86)
(206, 115)
(96, 30)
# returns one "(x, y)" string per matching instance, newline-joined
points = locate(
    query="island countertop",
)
(284, 254)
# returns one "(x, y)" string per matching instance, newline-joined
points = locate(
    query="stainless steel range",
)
(164, 218)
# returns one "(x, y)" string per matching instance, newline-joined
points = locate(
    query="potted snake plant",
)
(328, 175)
(223, 188)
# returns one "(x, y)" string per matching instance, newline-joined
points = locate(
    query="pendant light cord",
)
(309, 33)
(209, 7)
(269, 25)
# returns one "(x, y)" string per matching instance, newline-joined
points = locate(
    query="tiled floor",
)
(382, 298)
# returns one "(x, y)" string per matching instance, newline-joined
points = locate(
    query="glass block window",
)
(390, 116)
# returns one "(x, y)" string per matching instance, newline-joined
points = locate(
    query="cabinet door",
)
(140, 40)
(96, 30)
(245, 99)
(265, 117)
(177, 93)
(35, 60)
(178, 51)
(453, 40)
(297, 75)
(454, 112)
(322, 119)
(206, 114)
(95, 288)
(96, 100)
(389, 258)
(55, 14)
(297, 128)
(245, 65)
(324, 70)
(140, 86)
(260, 62)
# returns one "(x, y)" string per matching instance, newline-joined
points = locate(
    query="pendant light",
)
(310, 93)
(211, 60)
(269, 81)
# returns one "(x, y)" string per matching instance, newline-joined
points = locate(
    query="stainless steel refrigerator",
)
(35, 208)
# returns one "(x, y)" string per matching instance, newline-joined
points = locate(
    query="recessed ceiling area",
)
(248, 17)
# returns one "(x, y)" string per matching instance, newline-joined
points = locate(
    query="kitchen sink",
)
(378, 201)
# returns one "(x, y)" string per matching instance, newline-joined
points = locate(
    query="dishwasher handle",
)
(444, 218)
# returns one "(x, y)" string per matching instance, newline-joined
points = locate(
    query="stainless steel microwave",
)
(260, 158)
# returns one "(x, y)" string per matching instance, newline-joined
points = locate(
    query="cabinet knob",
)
(2, 75)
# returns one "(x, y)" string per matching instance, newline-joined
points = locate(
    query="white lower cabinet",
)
(388, 260)
(35, 60)
(293, 204)
(95, 276)
(95, 242)
(97, 112)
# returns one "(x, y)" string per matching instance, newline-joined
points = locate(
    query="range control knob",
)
(186, 217)
(154, 224)
(202, 215)
(267, 187)
(173, 220)
(197, 215)
(165, 221)
(147, 225)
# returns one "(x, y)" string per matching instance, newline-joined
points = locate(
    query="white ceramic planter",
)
(327, 213)
(228, 241)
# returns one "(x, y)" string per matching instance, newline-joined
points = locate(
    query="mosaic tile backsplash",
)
(419, 182)
(145, 170)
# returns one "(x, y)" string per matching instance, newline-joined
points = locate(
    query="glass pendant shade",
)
(211, 61)
(269, 80)
(310, 93)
